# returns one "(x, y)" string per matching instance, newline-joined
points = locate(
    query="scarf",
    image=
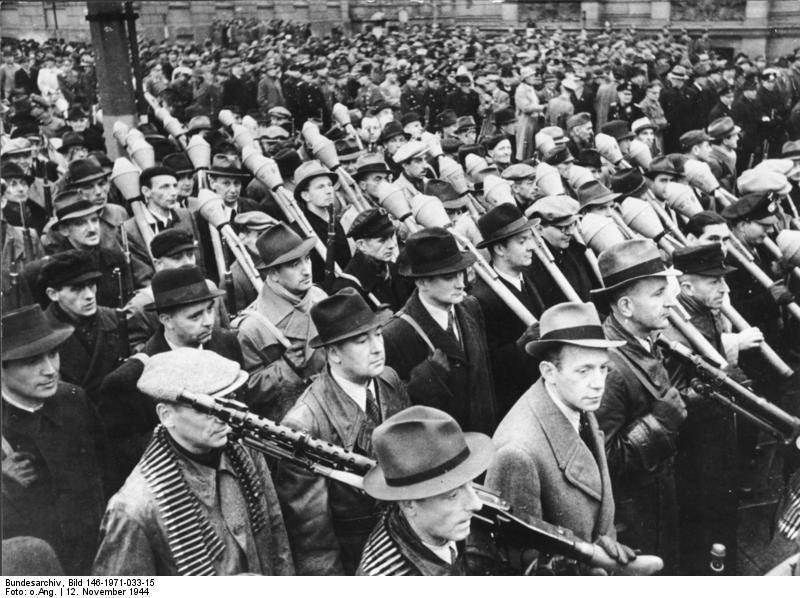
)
(192, 540)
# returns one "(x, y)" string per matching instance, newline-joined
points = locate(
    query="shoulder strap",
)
(626, 362)
(418, 329)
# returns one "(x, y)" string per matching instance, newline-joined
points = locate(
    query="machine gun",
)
(324, 458)
(712, 381)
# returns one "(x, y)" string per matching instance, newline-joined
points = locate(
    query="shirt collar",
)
(516, 281)
(444, 551)
(357, 392)
(438, 314)
(573, 415)
(152, 218)
(19, 406)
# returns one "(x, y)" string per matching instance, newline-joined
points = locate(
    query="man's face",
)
(394, 144)
(177, 260)
(660, 184)
(708, 290)
(34, 378)
(78, 300)
(517, 251)
(509, 128)
(95, 191)
(467, 136)
(580, 376)
(191, 325)
(185, 185)
(558, 235)
(731, 141)
(369, 183)
(197, 432)
(415, 167)
(295, 276)
(584, 132)
(647, 136)
(501, 153)
(727, 99)
(444, 290)
(653, 93)
(84, 232)
(625, 97)
(79, 125)
(768, 85)
(16, 190)
(77, 152)
(445, 517)
(703, 150)
(226, 187)
(753, 233)
(22, 159)
(382, 249)
(319, 193)
(750, 94)
(249, 237)
(649, 301)
(603, 209)
(163, 192)
(360, 358)
(413, 129)
(525, 189)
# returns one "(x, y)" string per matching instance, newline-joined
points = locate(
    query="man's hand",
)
(531, 334)
(619, 552)
(19, 468)
(670, 409)
(749, 338)
(296, 353)
(780, 294)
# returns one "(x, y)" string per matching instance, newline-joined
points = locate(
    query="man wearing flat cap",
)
(464, 100)
(437, 342)
(508, 237)
(425, 469)
(186, 309)
(69, 280)
(580, 131)
(159, 186)
(328, 522)
(278, 375)
(373, 268)
(707, 460)
(411, 158)
(523, 184)
(695, 145)
(191, 464)
(172, 248)
(551, 462)
(558, 219)
(722, 158)
(641, 412)
(53, 444)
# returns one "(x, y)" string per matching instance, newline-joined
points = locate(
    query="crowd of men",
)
(462, 254)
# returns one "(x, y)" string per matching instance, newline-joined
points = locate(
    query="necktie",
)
(451, 326)
(373, 410)
(585, 432)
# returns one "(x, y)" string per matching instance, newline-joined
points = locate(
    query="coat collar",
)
(438, 336)
(574, 458)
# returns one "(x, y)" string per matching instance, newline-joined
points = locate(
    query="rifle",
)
(122, 315)
(329, 460)
(41, 168)
(126, 284)
(714, 382)
(330, 246)
(230, 291)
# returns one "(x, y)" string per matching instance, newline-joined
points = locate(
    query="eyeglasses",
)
(566, 229)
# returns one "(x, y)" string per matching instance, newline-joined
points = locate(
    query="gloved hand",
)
(439, 360)
(18, 467)
(531, 334)
(780, 294)
(670, 409)
(619, 552)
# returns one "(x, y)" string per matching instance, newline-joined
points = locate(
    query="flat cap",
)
(722, 127)
(371, 224)
(517, 172)
(558, 155)
(410, 149)
(555, 209)
(694, 137)
(171, 242)
(763, 180)
(254, 220)
(577, 120)
(641, 124)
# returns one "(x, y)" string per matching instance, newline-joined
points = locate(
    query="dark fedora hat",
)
(422, 452)
(706, 260)
(504, 116)
(12, 170)
(85, 170)
(288, 160)
(432, 252)
(344, 315)
(618, 129)
(70, 267)
(594, 193)
(501, 222)
(371, 224)
(280, 244)
(371, 163)
(662, 165)
(176, 287)
(307, 172)
(571, 323)
(69, 140)
(27, 332)
(224, 166)
(178, 162)
(628, 262)
(391, 130)
(627, 182)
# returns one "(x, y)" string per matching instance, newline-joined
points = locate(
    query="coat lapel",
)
(573, 457)
(439, 337)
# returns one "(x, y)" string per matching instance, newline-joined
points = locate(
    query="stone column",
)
(660, 12)
(756, 15)
(592, 12)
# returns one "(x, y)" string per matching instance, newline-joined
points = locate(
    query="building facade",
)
(758, 27)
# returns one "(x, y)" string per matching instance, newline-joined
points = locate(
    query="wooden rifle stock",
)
(122, 315)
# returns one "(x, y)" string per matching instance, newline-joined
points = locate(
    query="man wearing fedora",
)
(277, 375)
(77, 224)
(186, 307)
(172, 248)
(680, 103)
(162, 212)
(248, 226)
(373, 268)
(391, 139)
(69, 280)
(507, 236)
(707, 460)
(19, 209)
(184, 173)
(314, 190)
(437, 342)
(641, 412)
(371, 171)
(53, 444)
(551, 461)
(328, 522)
(424, 472)
(191, 464)
(558, 219)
